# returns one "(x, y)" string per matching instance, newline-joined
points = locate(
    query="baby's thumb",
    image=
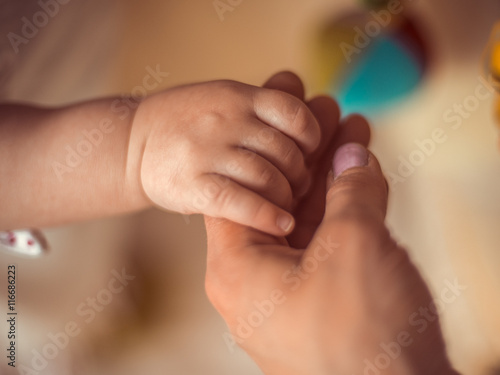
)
(357, 189)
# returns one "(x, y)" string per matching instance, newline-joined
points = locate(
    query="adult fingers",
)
(357, 193)
(309, 211)
(353, 129)
(287, 82)
(327, 112)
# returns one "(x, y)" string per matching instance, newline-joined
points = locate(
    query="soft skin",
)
(359, 295)
(221, 148)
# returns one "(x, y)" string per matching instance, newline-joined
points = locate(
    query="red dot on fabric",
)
(31, 242)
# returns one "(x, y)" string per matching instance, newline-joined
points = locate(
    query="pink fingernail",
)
(348, 156)
(285, 222)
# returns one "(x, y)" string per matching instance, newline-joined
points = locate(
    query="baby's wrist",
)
(137, 137)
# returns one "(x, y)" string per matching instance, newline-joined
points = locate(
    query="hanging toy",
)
(370, 59)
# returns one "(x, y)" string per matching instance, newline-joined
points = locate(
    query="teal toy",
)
(370, 60)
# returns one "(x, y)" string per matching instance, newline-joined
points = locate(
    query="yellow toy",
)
(492, 67)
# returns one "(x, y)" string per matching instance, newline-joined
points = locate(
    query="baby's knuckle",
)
(234, 167)
(212, 120)
(222, 198)
(290, 157)
(267, 176)
(184, 145)
(230, 88)
(259, 209)
(300, 119)
(267, 135)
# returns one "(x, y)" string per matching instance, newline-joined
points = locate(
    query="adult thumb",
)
(357, 189)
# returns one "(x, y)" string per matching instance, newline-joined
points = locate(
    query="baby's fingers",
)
(289, 115)
(219, 196)
(256, 173)
(283, 153)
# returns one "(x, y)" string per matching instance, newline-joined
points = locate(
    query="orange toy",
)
(492, 67)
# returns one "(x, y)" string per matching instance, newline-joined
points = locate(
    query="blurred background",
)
(445, 206)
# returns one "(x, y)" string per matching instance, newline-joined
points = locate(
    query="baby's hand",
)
(224, 149)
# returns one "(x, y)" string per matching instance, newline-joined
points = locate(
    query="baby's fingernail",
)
(348, 156)
(285, 222)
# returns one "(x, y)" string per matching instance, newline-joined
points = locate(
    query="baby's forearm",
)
(65, 164)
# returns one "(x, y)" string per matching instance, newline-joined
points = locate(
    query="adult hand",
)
(336, 296)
